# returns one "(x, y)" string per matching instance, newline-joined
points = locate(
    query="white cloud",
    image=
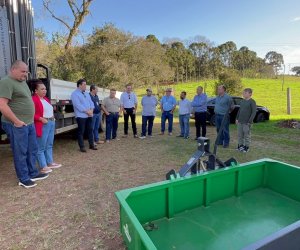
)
(296, 19)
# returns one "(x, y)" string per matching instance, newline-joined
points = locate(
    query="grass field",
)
(267, 92)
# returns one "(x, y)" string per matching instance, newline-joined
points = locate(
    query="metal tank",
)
(17, 35)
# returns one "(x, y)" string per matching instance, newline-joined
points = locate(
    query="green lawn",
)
(267, 92)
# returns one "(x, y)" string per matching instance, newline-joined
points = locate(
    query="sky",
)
(261, 25)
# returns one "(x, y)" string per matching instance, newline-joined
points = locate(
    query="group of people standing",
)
(28, 121)
(28, 118)
(127, 105)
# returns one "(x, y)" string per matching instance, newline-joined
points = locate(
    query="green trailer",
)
(254, 205)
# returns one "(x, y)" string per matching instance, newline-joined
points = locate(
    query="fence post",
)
(289, 101)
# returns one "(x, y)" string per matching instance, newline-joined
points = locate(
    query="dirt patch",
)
(289, 124)
(75, 208)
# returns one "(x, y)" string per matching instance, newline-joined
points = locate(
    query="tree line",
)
(111, 57)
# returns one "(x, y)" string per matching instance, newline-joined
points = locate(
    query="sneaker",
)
(240, 148)
(161, 133)
(116, 139)
(150, 136)
(170, 134)
(46, 170)
(107, 141)
(245, 150)
(142, 137)
(93, 148)
(40, 177)
(135, 136)
(83, 150)
(54, 165)
(124, 136)
(179, 136)
(27, 184)
(187, 137)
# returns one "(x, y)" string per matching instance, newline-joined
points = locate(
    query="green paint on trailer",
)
(223, 209)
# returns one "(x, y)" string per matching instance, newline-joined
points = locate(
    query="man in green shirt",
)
(17, 111)
(244, 120)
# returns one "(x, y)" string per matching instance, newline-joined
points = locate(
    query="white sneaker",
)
(142, 137)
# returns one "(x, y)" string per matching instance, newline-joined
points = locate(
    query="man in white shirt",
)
(185, 108)
(129, 103)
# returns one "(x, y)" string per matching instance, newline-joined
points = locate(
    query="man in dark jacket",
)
(97, 117)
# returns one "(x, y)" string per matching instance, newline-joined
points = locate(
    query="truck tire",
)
(212, 120)
(260, 117)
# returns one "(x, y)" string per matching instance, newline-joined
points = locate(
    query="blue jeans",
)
(24, 146)
(184, 121)
(166, 115)
(224, 138)
(112, 125)
(145, 120)
(45, 145)
(96, 124)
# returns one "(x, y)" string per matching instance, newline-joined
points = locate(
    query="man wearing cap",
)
(149, 103)
(129, 103)
(167, 106)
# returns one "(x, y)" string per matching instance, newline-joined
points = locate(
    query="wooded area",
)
(111, 57)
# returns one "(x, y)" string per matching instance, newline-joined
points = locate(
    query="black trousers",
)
(200, 122)
(85, 124)
(129, 113)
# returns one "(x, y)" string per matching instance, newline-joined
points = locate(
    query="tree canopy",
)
(111, 57)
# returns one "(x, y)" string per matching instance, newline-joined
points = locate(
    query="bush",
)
(232, 82)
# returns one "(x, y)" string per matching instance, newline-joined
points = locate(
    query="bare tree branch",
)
(79, 14)
(46, 5)
(73, 6)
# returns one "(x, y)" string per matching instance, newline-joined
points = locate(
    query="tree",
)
(201, 54)
(232, 81)
(215, 62)
(226, 51)
(275, 59)
(181, 60)
(113, 57)
(153, 39)
(79, 12)
(296, 70)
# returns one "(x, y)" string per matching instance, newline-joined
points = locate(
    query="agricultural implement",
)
(215, 205)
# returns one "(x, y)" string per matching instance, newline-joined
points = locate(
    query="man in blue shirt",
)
(96, 113)
(167, 106)
(149, 103)
(129, 106)
(199, 105)
(185, 109)
(223, 107)
(83, 108)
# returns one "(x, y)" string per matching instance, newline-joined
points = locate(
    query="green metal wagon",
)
(255, 205)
